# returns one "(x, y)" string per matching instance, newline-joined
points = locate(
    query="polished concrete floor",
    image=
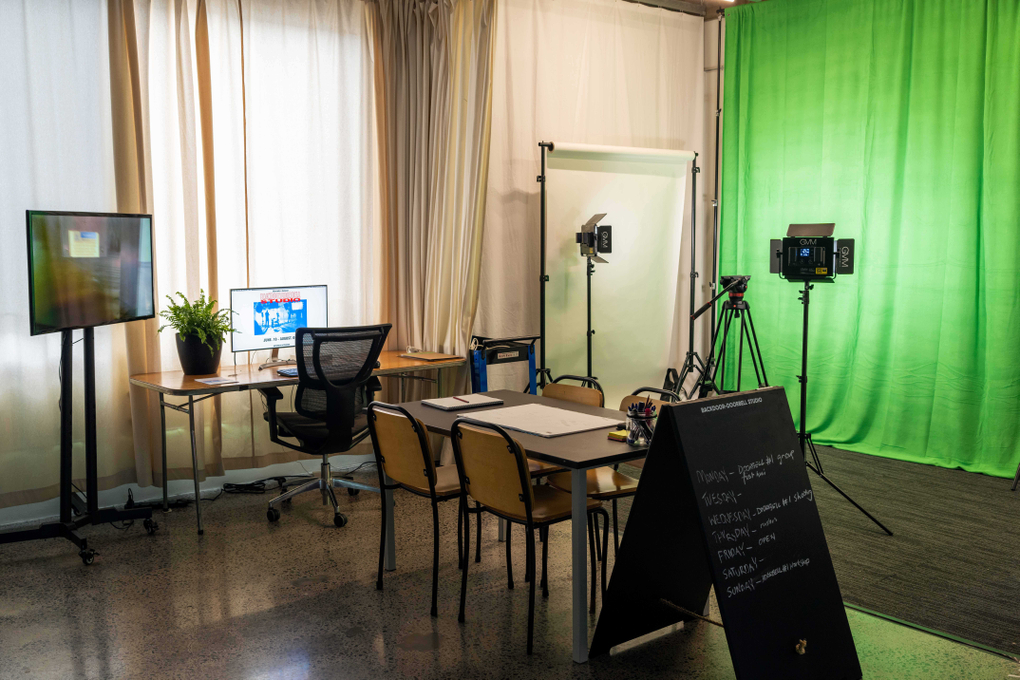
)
(297, 600)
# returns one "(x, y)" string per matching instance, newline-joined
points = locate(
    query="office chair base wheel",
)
(88, 556)
(340, 519)
(273, 515)
(150, 526)
(353, 492)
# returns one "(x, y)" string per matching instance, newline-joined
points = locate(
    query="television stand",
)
(87, 510)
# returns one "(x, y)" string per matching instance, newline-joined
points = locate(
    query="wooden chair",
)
(404, 460)
(494, 471)
(578, 394)
(607, 483)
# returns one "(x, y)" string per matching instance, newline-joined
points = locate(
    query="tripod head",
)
(734, 285)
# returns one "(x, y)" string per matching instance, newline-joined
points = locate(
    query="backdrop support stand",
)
(692, 361)
(544, 277)
(714, 283)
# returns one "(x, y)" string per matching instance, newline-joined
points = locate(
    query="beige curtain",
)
(434, 94)
(155, 68)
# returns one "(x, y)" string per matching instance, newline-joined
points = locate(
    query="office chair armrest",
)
(272, 395)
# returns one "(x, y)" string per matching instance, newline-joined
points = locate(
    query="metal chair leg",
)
(591, 551)
(307, 486)
(598, 544)
(531, 596)
(605, 553)
(460, 534)
(509, 561)
(382, 542)
(544, 535)
(464, 573)
(435, 558)
(616, 532)
(478, 542)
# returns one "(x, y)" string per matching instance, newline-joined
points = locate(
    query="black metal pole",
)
(805, 298)
(715, 193)
(66, 433)
(694, 251)
(591, 270)
(91, 458)
(544, 278)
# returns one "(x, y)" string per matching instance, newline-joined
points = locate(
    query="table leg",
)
(441, 382)
(194, 463)
(390, 553)
(579, 562)
(162, 428)
(502, 530)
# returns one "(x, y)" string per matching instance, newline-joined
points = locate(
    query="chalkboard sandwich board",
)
(725, 500)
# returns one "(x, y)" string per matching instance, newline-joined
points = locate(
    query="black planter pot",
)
(196, 358)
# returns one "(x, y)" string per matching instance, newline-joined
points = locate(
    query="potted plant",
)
(200, 332)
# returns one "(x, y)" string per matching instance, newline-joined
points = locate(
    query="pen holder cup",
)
(640, 428)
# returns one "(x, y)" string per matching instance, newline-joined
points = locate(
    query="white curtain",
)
(56, 153)
(173, 143)
(584, 71)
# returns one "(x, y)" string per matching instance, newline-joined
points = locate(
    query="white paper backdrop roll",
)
(634, 295)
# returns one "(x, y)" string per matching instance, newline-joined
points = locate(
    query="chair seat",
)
(447, 481)
(552, 505)
(540, 469)
(603, 483)
(309, 431)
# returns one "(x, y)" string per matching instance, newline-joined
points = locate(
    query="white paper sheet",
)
(544, 421)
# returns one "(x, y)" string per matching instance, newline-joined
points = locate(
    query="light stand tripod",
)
(692, 362)
(806, 445)
(736, 308)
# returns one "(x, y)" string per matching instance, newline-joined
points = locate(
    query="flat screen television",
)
(268, 318)
(88, 269)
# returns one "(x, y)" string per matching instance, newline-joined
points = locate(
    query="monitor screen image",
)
(88, 269)
(268, 318)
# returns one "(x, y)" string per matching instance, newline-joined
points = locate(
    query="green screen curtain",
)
(899, 120)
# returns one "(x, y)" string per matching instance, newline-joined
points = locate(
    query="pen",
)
(463, 400)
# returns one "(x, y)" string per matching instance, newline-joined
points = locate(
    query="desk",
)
(577, 452)
(176, 384)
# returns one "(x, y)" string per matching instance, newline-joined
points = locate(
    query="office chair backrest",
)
(636, 398)
(492, 466)
(402, 447)
(333, 364)
(574, 393)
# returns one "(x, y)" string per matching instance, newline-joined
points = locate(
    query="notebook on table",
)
(429, 356)
(461, 402)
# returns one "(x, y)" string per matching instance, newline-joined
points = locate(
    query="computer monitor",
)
(268, 318)
(88, 269)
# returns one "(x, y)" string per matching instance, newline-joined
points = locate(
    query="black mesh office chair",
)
(335, 386)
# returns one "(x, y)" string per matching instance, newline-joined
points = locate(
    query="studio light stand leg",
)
(807, 446)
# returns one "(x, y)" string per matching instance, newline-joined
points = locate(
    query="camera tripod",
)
(735, 309)
(806, 445)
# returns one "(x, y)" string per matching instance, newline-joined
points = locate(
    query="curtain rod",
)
(674, 6)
